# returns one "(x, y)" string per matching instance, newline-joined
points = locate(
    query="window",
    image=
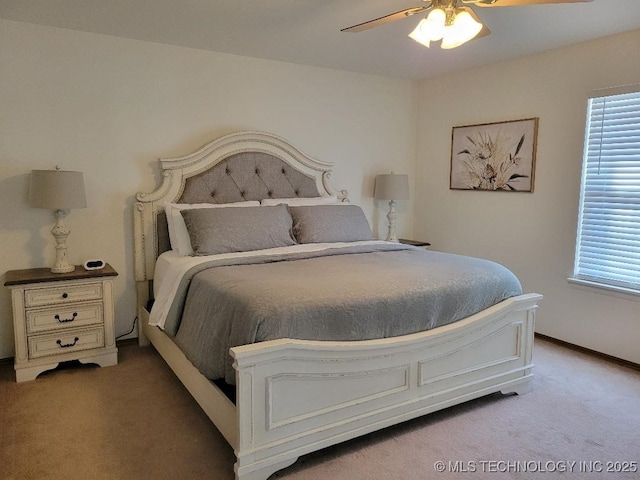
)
(608, 243)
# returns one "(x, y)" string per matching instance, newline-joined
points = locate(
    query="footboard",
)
(295, 397)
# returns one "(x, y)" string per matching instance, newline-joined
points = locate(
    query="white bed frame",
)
(295, 397)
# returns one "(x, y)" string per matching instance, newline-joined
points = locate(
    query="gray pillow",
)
(330, 223)
(235, 229)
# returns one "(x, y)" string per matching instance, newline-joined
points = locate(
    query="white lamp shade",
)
(392, 186)
(57, 190)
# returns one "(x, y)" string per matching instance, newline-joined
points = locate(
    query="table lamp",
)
(392, 187)
(60, 191)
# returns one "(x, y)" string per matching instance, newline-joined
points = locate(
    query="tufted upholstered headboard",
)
(237, 167)
(240, 177)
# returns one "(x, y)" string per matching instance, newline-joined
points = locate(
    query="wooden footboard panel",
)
(295, 397)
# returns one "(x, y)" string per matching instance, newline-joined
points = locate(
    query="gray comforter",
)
(360, 293)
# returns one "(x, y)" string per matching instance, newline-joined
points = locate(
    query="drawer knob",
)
(67, 345)
(65, 295)
(65, 320)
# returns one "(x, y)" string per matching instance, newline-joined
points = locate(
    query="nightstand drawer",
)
(70, 341)
(37, 297)
(63, 317)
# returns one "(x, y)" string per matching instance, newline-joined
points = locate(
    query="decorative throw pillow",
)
(225, 230)
(330, 223)
(178, 235)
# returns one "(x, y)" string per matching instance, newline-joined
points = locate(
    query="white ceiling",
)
(308, 31)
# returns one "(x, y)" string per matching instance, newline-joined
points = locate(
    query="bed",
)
(289, 397)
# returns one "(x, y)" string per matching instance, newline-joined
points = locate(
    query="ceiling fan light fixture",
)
(431, 28)
(463, 29)
(447, 21)
(454, 27)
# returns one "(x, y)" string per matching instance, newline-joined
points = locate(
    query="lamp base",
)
(60, 232)
(391, 216)
(63, 269)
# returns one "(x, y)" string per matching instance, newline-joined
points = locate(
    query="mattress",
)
(348, 292)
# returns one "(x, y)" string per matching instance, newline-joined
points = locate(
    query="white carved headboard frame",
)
(239, 166)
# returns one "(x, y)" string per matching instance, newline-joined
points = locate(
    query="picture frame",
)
(497, 156)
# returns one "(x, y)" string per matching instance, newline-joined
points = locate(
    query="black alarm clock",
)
(96, 264)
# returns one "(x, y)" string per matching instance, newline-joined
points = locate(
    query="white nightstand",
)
(61, 316)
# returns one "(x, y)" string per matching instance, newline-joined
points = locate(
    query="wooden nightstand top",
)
(41, 275)
(415, 243)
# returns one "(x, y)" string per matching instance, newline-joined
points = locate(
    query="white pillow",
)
(300, 202)
(178, 234)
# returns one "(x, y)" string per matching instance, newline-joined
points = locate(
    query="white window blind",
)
(608, 243)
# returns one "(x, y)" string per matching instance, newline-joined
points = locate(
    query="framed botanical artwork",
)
(494, 156)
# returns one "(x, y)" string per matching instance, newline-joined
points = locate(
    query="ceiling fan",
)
(448, 21)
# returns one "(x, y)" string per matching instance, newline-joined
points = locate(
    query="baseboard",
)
(126, 342)
(611, 358)
(588, 351)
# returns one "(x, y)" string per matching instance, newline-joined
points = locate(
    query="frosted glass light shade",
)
(431, 28)
(463, 29)
(419, 37)
(435, 22)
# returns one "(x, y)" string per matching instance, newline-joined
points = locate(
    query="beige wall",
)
(110, 107)
(533, 234)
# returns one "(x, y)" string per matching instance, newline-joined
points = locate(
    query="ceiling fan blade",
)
(515, 3)
(386, 19)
